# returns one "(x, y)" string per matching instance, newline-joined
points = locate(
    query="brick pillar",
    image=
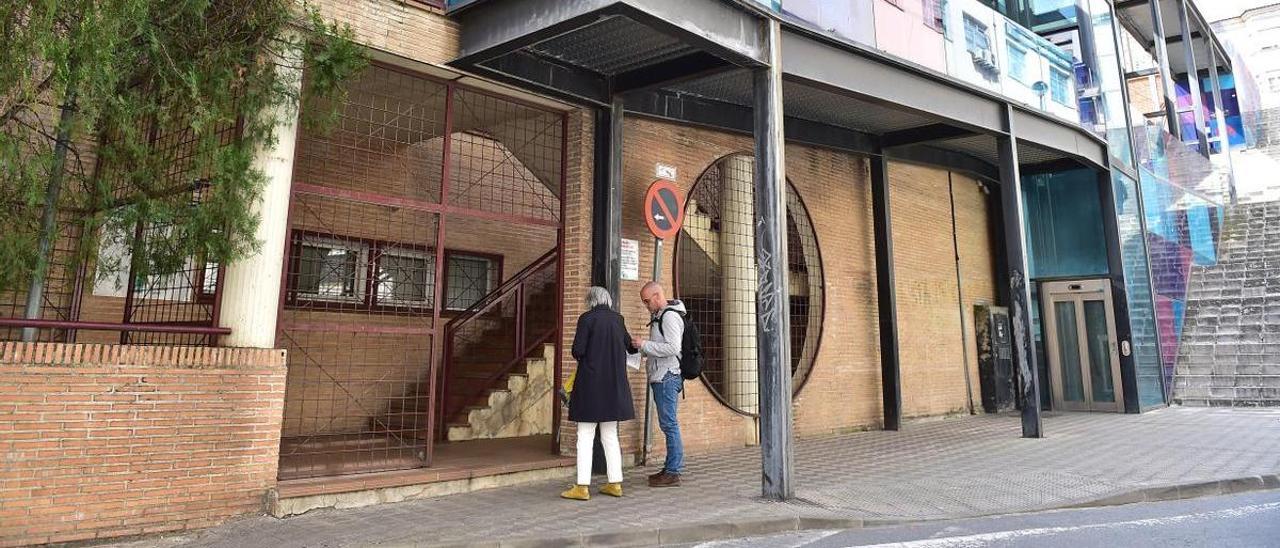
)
(738, 272)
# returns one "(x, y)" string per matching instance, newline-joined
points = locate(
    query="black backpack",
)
(691, 357)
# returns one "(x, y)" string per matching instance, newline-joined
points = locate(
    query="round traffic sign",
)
(663, 210)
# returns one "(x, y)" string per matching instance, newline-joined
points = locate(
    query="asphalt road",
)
(1237, 521)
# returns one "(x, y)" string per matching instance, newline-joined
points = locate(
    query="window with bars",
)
(373, 274)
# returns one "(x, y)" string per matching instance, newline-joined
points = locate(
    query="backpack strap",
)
(658, 320)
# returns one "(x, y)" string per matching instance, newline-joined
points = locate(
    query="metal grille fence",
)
(716, 278)
(412, 210)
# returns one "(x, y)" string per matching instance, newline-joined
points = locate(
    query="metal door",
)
(1080, 342)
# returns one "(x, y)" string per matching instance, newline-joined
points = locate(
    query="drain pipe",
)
(964, 333)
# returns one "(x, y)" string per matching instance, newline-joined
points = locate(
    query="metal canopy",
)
(1136, 16)
(690, 61)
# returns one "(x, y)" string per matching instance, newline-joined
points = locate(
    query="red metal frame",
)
(121, 327)
(441, 343)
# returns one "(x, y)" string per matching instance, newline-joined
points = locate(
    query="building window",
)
(342, 273)
(975, 36)
(329, 270)
(1059, 86)
(470, 279)
(933, 17)
(406, 277)
(1017, 62)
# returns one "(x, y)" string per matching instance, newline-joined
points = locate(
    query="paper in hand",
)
(633, 361)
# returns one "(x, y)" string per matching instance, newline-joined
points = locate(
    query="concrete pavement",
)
(940, 469)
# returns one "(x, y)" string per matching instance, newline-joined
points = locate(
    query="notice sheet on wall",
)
(630, 259)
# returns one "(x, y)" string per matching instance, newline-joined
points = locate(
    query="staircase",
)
(1230, 351)
(520, 406)
(498, 369)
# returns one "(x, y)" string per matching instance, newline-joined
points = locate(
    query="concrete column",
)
(252, 285)
(738, 290)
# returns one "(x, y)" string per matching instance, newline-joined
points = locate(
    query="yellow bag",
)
(567, 389)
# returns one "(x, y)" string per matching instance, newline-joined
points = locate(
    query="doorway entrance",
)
(1084, 362)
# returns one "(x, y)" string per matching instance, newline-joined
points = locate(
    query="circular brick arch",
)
(715, 277)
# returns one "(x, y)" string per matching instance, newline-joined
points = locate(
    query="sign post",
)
(663, 214)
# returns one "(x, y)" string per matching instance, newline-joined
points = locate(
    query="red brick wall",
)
(842, 392)
(102, 441)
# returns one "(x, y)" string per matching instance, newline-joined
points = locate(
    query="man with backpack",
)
(674, 355)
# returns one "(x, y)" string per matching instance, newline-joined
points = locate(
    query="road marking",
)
(984, 539)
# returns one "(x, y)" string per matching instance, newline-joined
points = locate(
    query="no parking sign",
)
(663, 212)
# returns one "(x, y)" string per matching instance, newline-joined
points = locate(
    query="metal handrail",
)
(516, 286)
(485, 303)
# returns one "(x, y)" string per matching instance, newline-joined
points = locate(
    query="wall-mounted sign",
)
(663, 211)
(664, 171)
(630, 260)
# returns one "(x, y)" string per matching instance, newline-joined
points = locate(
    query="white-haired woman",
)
(601, 393)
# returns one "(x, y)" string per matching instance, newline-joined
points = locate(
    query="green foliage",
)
(170, 101)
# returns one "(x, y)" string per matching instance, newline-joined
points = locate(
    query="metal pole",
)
(773, 345)
(1220, 118)
(1166, 78)
(1193, 78)
(886, 295)
(1015, 245)
(49, 221)
(606, 241)
(648, 390)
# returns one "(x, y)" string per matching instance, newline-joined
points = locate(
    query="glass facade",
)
(1144, 338)
(1064, 228)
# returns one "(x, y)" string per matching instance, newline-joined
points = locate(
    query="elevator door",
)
(1081, 345)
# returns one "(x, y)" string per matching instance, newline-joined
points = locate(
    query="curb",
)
(703, 532)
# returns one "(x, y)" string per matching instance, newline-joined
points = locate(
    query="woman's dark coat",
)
(601, 392)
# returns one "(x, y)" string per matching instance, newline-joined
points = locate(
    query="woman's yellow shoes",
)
(612, 489)
(577, 492)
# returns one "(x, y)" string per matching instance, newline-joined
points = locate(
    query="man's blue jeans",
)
(665, 396)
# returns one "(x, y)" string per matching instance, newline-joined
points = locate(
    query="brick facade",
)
(842, 392)
(101, 441)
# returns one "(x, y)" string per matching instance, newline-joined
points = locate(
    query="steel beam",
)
(1119, 292)
(1220, 121)
(1013, 217)
(672, 71)
(691, 109)
(1166, 75)
(886, 296)
(527, 69)
(1055, 135)
(606, 211)
(923, 134)
(773, 345)
(940, 157)
(1193, 79)
(870, 77)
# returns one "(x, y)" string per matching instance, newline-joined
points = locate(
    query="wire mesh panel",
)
(59, 299)
(389, 242)
(716, 277)
(506, 157)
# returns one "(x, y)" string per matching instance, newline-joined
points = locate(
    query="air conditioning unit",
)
(985, 60)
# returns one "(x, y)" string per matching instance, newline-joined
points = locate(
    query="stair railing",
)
(518, 287)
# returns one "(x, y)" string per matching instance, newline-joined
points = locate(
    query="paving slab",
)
(940, 469)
